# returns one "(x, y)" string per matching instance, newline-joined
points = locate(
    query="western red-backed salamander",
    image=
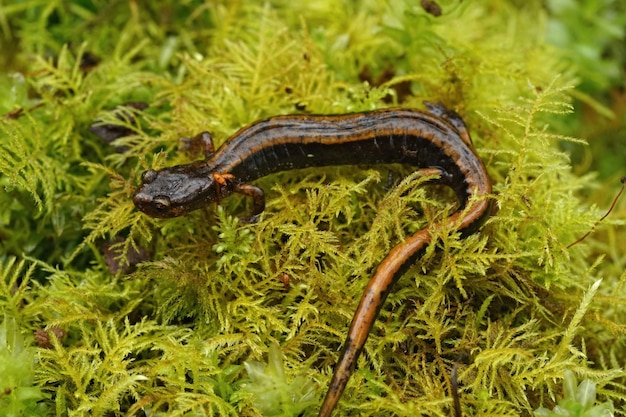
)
(435, 142)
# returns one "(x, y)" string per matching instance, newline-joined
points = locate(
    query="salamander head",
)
(174, 191)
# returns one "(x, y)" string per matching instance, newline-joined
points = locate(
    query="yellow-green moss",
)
(511, 306)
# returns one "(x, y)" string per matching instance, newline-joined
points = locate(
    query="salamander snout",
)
(155, 206)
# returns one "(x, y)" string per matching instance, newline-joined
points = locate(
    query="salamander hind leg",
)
(451, 117)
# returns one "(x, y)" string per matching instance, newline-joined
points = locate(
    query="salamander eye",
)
(148, 176)
(161, 204)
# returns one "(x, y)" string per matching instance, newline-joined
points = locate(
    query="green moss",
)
(19, 395)
(172, 336)
(272, 393)
(579, 400)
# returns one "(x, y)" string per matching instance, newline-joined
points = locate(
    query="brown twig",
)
(603, 217)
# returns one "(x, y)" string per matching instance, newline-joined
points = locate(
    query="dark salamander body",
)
(436, 142)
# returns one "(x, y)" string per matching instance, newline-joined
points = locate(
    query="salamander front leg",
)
(202, 142)
(258, 201)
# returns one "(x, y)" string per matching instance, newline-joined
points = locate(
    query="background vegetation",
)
(109, 312)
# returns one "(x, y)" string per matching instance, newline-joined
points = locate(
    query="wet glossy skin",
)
(434, 142)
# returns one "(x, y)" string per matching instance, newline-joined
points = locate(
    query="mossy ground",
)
(511, 306)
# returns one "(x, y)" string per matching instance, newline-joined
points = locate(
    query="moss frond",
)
(26, 166)
(114, 365)
(20, 396)
(15, 285)
(273, 393)
(113, 215)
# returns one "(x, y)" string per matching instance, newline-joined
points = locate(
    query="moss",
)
(170, 335)
(17, 359)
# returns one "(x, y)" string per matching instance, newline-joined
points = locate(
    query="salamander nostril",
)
(140, 199)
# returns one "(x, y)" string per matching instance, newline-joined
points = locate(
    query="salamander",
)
(434, 141)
